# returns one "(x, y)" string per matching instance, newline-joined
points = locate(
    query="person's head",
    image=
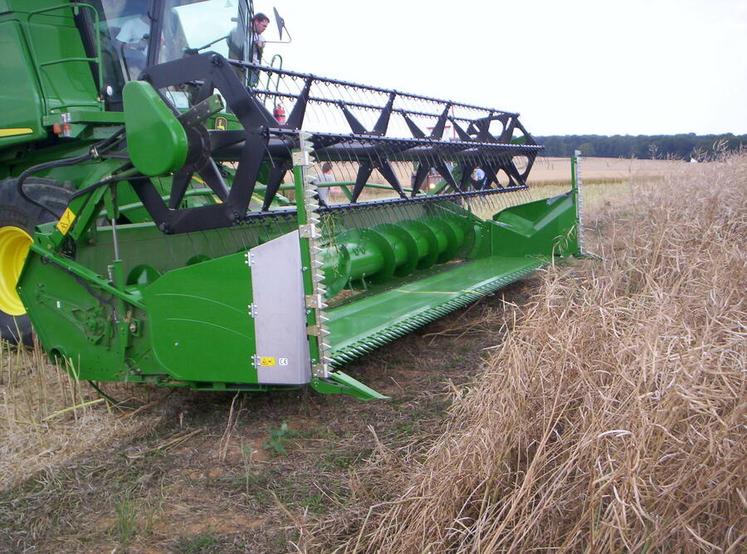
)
(260, 22)
(326, 167)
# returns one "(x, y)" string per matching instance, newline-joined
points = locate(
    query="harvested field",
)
(599, 406)
(612, 417)
(602, 170)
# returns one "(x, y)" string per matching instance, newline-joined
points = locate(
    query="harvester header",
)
(234, 226)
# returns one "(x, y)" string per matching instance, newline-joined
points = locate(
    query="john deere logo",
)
(221, 123)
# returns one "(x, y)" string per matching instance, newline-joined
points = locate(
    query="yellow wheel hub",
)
(14, 247)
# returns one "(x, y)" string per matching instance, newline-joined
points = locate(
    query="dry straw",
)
(612, 418)
(47, 416)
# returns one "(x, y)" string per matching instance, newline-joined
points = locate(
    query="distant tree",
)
(680, 146)
(587, 149)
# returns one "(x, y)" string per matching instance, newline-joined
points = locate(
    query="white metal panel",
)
(280, 312)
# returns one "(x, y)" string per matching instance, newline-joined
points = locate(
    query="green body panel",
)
(157, 141)
(87, 116)
(200, 331)
(65, 74)
(20, 97)
(144, 245)
(544, 227)
(44, 66)
(45, 73)
(72, 321)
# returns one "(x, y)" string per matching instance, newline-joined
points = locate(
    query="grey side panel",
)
(280, 312)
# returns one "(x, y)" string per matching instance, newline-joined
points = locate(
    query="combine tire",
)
(18, 218)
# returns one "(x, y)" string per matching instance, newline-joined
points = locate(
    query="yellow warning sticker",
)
(267, 361)
(66, 221)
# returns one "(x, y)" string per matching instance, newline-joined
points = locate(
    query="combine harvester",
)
(159, 225)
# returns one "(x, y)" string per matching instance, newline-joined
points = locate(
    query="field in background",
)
(606, 170)
(598, 406)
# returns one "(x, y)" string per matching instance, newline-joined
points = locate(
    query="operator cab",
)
(136, 34)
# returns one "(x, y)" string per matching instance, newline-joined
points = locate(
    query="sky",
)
(568, 66)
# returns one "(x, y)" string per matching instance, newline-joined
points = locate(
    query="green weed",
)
(199, 544)
(278, 440)
(125, 527)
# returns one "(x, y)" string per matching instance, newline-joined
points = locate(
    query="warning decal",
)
(267, 361)
(66, 221)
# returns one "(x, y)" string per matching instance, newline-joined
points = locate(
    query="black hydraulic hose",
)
(103, 395)
(109, 143)
(41, 167)
(94, 152)
(107, 181)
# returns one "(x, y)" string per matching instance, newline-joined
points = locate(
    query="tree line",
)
(683, 146)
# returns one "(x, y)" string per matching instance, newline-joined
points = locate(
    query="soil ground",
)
(223, 473)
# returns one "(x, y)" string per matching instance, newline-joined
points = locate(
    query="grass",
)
(610, 419)
(125, 526)
(200, 544)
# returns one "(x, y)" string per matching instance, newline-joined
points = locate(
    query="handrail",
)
(40, 65)
(269, 75)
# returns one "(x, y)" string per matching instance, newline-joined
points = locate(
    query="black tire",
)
(17, 212)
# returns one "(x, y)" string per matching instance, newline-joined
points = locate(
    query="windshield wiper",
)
(193, 51)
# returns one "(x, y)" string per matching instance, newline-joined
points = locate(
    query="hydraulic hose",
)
(94, 152)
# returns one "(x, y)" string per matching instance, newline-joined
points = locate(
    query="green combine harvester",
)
(161, 222)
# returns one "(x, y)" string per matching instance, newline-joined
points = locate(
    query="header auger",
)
(175, 232)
